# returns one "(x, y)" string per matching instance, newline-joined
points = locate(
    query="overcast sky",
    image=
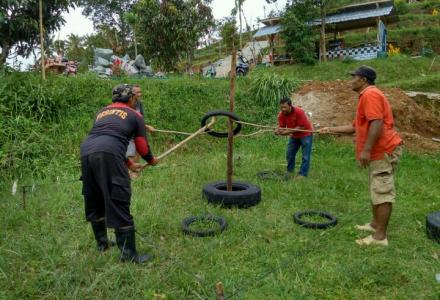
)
(77, 24)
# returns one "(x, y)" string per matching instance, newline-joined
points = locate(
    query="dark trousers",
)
(293, 146)
(106, 189)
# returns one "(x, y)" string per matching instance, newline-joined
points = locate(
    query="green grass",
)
(47, 251)
(398, 71)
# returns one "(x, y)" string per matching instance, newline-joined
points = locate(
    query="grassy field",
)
(47, 251)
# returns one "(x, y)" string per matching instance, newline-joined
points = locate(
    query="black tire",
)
(214, 113)
(186, 223)
(243, 194)
(240, 73)
(433, 226)
(297, 217)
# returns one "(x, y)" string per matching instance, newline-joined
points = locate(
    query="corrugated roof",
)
(267, 30)
(355, 15)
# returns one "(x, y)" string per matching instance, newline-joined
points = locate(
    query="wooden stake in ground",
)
(219, 291)
(230, 122)
(43, 72)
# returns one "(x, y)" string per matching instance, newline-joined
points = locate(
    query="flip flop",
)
(369, 240)
(365, 227)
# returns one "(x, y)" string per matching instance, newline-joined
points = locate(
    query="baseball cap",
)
(122, 93)
(365, 71)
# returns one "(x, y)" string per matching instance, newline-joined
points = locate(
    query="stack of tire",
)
(243, 194)
(433, 226)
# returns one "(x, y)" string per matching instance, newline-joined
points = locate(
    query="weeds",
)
(267, 89)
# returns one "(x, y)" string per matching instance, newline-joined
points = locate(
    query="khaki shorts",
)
(382, 171)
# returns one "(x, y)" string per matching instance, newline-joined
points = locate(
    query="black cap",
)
(365, 71)
(122, 93)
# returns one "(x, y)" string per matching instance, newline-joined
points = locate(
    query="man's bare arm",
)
(347, 129)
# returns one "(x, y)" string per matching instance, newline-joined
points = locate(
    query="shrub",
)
(268, 88)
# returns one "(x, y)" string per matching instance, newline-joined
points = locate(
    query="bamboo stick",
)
(177, 146)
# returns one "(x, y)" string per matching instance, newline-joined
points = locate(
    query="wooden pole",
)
(230, 122)
(219, 291)
(43, 72)
(241, 26)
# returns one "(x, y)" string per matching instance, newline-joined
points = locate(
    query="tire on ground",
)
(214, 113)
(243, 194)
(186, 223)
(433, 226)
(297, 217)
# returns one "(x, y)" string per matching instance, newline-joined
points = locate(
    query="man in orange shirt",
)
(378, 146)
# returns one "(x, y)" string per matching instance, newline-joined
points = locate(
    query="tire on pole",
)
(214, 113)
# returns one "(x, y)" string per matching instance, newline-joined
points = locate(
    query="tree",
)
(133, 20)
(59, 46)
(172, 27)
(235, 10)
(93, 41)
(19, 24)
(110, 14)
(228, 32)
(299, 36)
(75, 48)
(197, 21)
(324, 7)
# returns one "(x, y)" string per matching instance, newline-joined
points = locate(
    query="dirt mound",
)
(334, 103)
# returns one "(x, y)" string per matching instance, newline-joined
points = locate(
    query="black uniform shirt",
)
(114, 126)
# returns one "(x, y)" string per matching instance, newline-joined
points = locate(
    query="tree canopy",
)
(110, 14)
(299, 37)
(19, 24)
(171, 28)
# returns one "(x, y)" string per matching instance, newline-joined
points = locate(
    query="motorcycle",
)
(242, 67)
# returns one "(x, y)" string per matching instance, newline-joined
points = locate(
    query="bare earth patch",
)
(334, 103)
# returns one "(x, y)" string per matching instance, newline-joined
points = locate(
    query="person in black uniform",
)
(104, 168)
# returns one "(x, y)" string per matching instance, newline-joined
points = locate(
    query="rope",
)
(255, 133)
(273, 127)
(171, 131)
(290, 129)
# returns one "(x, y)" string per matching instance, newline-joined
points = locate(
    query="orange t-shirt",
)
(373, 105)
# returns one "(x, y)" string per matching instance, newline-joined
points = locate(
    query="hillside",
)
(47, 249)
(415, 33)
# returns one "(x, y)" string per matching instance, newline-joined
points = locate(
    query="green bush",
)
(401, 7)
(266, 89)
(45, 122)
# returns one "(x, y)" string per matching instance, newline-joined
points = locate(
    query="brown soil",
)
(334, 103)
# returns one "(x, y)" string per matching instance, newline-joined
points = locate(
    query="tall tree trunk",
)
(4, 55)
(322, 48)
(241, 28)
(190, 56)
(43, 71)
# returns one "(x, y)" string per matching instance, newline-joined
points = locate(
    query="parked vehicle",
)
(242, 67)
